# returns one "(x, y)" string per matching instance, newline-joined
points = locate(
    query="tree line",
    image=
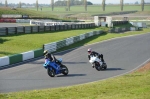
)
(69, 3)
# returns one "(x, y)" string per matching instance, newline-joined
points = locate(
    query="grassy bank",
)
(76, 11)
(22, 11)
(91, 10)
(27, 42)
(130, 86)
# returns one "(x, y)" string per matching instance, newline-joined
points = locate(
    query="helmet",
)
(45, 52)
(89, 50)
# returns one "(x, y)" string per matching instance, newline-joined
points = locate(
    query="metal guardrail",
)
(34, 29)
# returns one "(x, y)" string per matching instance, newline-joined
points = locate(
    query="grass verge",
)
(26, 42)
(130, 86)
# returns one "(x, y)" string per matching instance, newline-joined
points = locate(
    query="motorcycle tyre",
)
(97, 66)
(66, 71)
(105, 66)
(51, 73)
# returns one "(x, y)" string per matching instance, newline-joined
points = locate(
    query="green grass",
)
(123, 25)
(76, 11)
(92, 10)
(27, 42)
(129, 86)
(22, 11)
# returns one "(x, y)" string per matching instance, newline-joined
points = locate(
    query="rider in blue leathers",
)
(50, 57)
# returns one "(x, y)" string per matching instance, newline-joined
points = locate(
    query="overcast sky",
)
(49, 1)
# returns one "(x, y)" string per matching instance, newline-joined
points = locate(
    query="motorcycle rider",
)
(51, 57)
(93, 53)
(48, 55)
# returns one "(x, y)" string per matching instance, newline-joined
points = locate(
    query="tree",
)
(72, 3)
(6, 3)
(103, 5)
(136, 2)
(20, 4)
(85, 5)
(52, 4)
(68, 5)
(37, 6)
(121, 5)
(142, 5)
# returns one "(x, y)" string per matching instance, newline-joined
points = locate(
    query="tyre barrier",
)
(54, 46)
(34, 29)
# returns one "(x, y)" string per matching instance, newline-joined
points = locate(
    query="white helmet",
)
(89, 50)
(45, 52)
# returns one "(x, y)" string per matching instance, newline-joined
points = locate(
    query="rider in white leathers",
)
(93, 53)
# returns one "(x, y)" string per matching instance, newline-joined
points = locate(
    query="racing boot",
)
(93, 65)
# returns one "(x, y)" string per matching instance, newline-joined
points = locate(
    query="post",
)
(31, 29)
(23, 29)
(15, 30)
(6, 31)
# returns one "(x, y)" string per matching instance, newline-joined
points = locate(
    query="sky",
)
(49, 1)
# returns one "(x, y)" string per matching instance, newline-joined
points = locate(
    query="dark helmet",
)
(45, 52)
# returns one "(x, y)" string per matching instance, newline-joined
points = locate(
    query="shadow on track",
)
(113, 69)
(74, 62)
(71, 75)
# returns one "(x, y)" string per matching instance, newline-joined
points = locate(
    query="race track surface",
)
(121, 55)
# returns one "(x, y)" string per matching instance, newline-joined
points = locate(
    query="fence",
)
(33, 29)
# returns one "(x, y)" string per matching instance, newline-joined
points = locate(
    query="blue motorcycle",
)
(55, 67)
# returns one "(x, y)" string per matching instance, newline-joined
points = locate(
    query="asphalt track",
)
(122, 56)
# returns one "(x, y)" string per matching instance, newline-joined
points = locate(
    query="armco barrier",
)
(34, 29)
(118, 30)
(51, 47)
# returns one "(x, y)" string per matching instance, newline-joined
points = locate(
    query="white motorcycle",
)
(97, 63)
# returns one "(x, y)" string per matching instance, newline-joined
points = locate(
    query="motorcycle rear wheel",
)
(105, 66)
(51, 72)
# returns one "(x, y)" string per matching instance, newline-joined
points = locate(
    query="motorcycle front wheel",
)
(51, 72)
(65, 70)
(97, 66)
